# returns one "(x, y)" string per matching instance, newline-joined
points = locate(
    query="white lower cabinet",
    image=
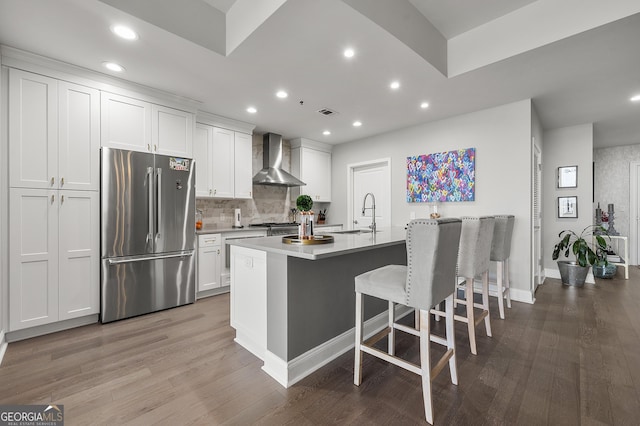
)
(54, 256)
(209, 258)
(249, 298)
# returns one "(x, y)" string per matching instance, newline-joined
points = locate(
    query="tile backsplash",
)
(269, 203)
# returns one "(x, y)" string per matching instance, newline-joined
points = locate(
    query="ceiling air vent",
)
(327, 111)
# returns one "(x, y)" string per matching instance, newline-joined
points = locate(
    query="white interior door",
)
(538, 273)
(373, 177)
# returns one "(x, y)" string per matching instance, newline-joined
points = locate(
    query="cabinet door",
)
(33, 257)
(125, 123)
(243, 160)
(208, 268)
(202, 145)
(223, 163)
(79, 256)
(316, 173)
(33, 130)
(79, 133)
(249, 298)
(172, 131)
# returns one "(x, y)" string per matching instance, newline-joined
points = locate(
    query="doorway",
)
(369, 177)
(634, 212)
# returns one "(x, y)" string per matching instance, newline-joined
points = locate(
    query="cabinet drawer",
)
(208, 240)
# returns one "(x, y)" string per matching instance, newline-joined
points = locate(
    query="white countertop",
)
(220, 230)
(343, 244)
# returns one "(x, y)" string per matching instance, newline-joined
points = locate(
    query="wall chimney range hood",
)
(272, 173)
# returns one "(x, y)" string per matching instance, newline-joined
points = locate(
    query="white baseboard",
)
(554, 273)
(289, 373)
(27, 333)
(259, 349)
(517, 295)
(3, 345)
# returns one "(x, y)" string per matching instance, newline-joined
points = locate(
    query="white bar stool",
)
(428, 279)
(473, 259)
(500, 252)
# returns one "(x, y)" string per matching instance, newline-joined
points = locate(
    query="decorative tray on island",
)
(317, 239)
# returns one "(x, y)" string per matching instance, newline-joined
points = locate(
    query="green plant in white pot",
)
(586, 253)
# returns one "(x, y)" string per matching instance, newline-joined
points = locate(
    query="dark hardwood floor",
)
(573, 358)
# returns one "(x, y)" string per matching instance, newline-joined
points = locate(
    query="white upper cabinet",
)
(243, 160)
(79, 133)
(33, 130)
(53, 133)
(202, 154)
(311, 163)
(222, 163)
(137, 125)
(125, 123)
(172, 131)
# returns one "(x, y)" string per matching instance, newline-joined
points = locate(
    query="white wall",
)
(502, 138)
(567, 146)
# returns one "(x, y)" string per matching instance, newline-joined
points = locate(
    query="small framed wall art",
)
(568, 177)
(567, 207)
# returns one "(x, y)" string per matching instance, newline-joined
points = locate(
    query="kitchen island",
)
(293, 306)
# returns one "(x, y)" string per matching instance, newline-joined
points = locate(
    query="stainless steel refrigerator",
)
(147, 233)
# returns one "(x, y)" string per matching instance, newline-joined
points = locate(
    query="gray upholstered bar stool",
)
(473, 260)
(428, 279)
(500, 252)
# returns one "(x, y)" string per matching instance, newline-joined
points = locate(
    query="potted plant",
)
(586, 254)
(304, 203)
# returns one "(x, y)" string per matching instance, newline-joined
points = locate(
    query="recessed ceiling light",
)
(395, 85)
(348, 53)
(124, 32)
(635, 98)
(282, 94)
(326, 133)
(424, 105)
(252, 110)
(357, 124)
(112, 66)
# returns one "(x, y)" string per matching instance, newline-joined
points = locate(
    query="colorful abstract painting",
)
(443, 176)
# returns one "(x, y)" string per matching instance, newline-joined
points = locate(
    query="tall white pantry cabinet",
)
(54, 142)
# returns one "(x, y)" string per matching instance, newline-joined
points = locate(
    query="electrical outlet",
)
(412, 215)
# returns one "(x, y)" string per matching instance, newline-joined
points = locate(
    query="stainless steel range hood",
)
(272, 173)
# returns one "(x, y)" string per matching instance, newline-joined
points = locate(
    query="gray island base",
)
(294, 306)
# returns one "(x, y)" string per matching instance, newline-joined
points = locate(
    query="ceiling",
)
(578, 63)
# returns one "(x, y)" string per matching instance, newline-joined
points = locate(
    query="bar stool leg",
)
(392, 334)
(507, 283)
(357, 370)
(425, 363)
(471, 322)
(485, 302)
(451, 337)
(500, 291)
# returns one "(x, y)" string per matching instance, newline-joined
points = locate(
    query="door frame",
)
(634, 213)
(351, 168)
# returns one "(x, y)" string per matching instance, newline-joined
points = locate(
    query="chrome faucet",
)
(373, 210)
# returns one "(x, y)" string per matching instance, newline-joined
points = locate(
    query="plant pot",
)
(606, 272)
(571, 273)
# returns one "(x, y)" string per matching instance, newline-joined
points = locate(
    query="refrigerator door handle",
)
(159, 206)
(150, 203)
(145, 258)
